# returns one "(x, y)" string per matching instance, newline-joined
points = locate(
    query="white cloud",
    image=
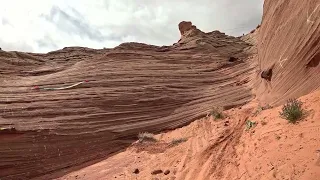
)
(45, 25)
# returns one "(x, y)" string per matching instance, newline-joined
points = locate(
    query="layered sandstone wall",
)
(289, 47)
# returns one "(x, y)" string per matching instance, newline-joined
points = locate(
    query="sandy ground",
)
(224, 149)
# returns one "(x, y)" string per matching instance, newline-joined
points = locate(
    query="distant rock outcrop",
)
(188, 30)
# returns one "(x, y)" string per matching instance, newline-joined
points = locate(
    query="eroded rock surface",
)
(132, 88)
(289, 39)
(137, 87)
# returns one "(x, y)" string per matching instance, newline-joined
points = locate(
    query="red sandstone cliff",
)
(132, 88)
(137, 87)
(289, 44)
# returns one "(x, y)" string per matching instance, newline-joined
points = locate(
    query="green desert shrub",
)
(250, 124)
(292, 111)
(217, 113)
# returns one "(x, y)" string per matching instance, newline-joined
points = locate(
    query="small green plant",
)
(292, 111)
(149, 137)
(175, 142)
(250, 124)
(217, 113)
(261, 108)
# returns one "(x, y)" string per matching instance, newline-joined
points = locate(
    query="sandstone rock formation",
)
(188, 30)
(137, 87)
(291, 45)
(132, 88)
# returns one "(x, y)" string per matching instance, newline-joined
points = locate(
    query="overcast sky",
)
(46, 25)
